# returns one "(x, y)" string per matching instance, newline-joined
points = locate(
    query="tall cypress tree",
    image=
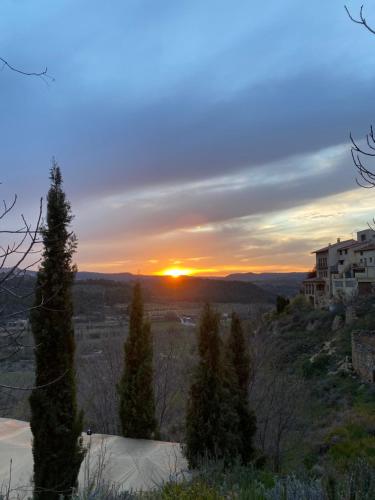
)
(238, 357)
(137, 404)
(211, 419)
(55, 422)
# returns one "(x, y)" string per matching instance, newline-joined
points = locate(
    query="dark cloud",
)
(183, 138)
(112, 131)
(158, 112)
(189, 207)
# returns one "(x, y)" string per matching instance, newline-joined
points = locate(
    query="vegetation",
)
(212, 420)
(281, 303)
(214, 481)
(137, 405)
(237, 353)
(55, 422)
(338, 419)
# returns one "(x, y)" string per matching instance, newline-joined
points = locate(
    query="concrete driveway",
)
(128, 464)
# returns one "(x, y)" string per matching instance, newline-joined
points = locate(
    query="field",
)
(100, 359)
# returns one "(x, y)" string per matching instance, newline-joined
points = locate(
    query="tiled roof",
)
(325, 249)
(352, 245)
(365, 247)
(338, 246)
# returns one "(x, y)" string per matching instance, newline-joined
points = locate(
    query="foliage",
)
(238, 357)
(317, 367)
(351, 441)
(55, 422)
(281, 303)
(211, 420)
(137, 405)
(299, 303)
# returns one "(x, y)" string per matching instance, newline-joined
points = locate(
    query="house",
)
(343, 270)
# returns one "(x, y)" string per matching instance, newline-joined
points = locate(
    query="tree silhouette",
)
(137, 405)
(55, 422)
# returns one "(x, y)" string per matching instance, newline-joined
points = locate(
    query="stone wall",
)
(363, 354)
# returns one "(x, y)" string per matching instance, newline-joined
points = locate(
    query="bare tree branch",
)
(366, 177)
(32, 387)
(41, 74)
(361, 20)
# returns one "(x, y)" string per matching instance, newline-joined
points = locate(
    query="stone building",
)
(363, 354)
(344, 270)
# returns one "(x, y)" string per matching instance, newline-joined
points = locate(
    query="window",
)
(346, 252)
(361, 253)
(340, 252)
(370, 259)
(363, 237)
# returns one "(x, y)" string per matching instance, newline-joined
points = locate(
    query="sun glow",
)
(176, 272)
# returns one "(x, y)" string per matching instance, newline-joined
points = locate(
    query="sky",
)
(205, 135)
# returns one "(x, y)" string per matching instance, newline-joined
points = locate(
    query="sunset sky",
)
(206, 135)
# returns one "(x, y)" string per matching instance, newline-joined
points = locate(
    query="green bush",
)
(351, 442)
(317, 367)
(299, 303)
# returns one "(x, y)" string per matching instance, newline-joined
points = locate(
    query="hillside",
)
(311, 351)
(288, 284)
(165, 289)
(94, 294)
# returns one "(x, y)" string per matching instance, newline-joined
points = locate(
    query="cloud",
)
(195, 207)
(185, 126)
(122, 116)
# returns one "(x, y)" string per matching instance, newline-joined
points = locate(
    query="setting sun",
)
(176, 272)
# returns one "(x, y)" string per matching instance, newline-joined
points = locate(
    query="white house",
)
(343, 269)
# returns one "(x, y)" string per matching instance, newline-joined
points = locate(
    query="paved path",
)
(128, 463)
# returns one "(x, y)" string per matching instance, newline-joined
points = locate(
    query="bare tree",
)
(174, 360)
(279, 399)
(19, 251)
(360, 20)
(279, 403)
(43, 74)
(98, 375)
(366, 175)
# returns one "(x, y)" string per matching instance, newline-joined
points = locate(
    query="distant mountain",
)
(93, 292)
(195, 289)
(213, 289)
(168, 289)
(277, 283)
(88, 275)
(266, 276)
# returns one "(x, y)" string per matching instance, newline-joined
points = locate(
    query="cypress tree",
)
(238, 358)
(211, 419)
(137, 405)
(55, 422)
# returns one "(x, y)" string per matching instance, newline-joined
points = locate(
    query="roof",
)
(351, 245)
(325, 249)
(338, 246)
(365, 248)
